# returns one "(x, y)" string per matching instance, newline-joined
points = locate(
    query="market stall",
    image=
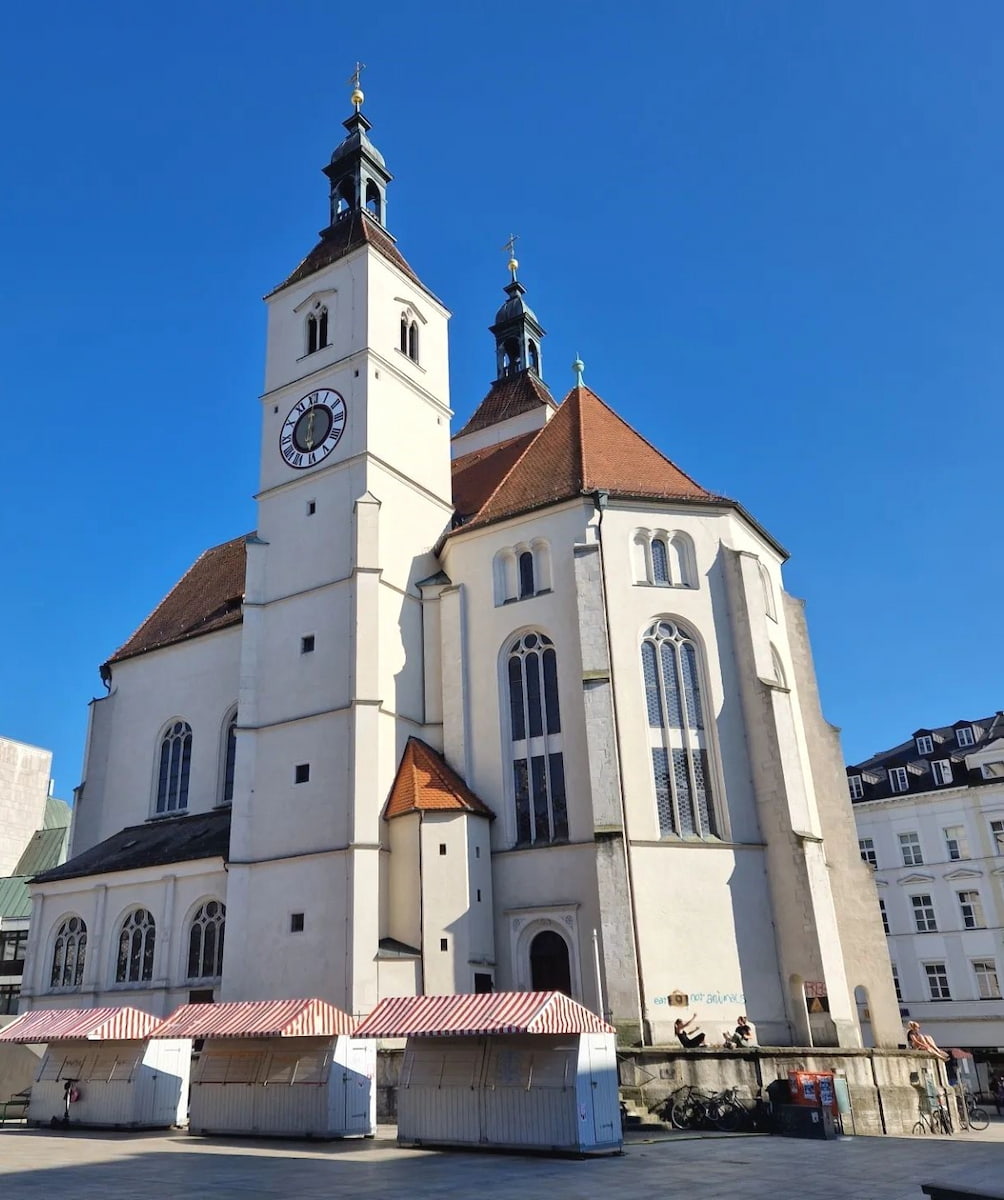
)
(283, 1068)
(506, 1069)
(101, 1069)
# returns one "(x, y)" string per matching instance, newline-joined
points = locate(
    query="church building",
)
(518, 705)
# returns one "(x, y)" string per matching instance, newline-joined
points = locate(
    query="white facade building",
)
(930, 819)
(527, 709)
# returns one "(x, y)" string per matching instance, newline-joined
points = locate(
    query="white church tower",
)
(354, 493)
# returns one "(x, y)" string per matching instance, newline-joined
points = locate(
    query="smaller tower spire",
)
(517, 331)
(357, 171)
(578, 367)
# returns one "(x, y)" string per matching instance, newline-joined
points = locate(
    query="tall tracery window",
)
(535, 726)
(409, 337)
(677, 734)
(175, 766)
(230, 760)
(68, 954)
(205, 941)
(136, 944)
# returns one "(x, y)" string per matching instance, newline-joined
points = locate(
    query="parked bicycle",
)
(690, 1108)
(937, 1120)
(975, 1117)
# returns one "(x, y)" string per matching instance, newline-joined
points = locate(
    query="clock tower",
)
(354, 493)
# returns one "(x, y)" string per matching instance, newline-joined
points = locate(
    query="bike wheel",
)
(920, 1127)
(978, 1119)
(944, 1121)
(729, 1117)
(682, 1114)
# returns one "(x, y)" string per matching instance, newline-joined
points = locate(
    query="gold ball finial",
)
(357, 97)
(514, 264)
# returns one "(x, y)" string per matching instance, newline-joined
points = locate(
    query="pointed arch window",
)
(229, 760)
(205, 941)
(678, 736)
(317, 329)
(68, 954)
(175, 767)
(137, 939)
(373, 204)
(404, 333)
(538, 768)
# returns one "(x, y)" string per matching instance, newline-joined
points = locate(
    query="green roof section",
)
(47, 849)
(57, 814)
(14, 898)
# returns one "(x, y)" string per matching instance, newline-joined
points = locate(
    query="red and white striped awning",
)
(80, 1024)
(473, 1015)
(256, 1019)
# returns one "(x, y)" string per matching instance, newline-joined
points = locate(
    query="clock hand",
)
(310, 430)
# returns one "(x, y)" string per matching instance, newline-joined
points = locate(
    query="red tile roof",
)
(478, 474)
(509, 397)
(424, 783)
(352, 231)
(585, 448)
(207, 597)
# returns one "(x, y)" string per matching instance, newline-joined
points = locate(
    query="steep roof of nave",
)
(355, 229)
(426, 783)
(206, 598)
(509, 397)
(153, 844)
(585, 448)
(477, 474)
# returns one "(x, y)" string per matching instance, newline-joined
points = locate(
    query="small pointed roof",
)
(585, 448)
(509, 397)
(424, 783)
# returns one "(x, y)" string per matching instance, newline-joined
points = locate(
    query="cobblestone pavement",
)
(113, 1166)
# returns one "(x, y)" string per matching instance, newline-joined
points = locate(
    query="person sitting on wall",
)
(680, 1027)
(744, 1035)
(920, 1041)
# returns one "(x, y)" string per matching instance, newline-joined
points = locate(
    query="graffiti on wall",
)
(685, 999)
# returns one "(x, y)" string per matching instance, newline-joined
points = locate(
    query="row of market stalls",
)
(509, 1069)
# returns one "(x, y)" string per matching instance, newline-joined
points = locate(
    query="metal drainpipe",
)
(600, 500)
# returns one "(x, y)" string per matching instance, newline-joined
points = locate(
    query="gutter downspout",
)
(600, 499)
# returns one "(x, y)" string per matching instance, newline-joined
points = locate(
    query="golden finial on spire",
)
(510, 246)
(357, 96)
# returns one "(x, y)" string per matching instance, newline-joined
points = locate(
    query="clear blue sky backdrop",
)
(772, 230)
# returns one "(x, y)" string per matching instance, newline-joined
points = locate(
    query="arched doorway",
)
(550, 970)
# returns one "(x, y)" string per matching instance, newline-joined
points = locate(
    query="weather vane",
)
(357, 92)
(510, 248)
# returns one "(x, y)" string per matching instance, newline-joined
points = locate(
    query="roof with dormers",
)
(208, 597)
(508, 397)
(357, 228)
(425, 783)
(586, 448)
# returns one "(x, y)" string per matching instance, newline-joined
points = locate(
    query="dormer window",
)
(317, 329)
(964, 736)
(941, 769)
(993, 770)
(925, 744)
(899, 781)
(855, 787)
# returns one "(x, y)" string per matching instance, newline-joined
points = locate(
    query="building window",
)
(535, 728)
(522, 571)
(664, 559)
(925, 744)
(678, 739)
(68, 954)
(409, 337)
(993, 770)
(10, 995)
(937, 981)
(941, 768)
(867, 849)
(855, 787)
(660, 562)
(955, 843)
(768, 592)
(923, 914)
(230, 760)
(899, 781)
(482, 983)
(136, 945)
(175, 764)
(444, 944)
(987, 982)
(964, 736)
(885, 915)
(296, 923)
(12, 947)
(971, 907)
(896, 984)
(205, 941)
(997, 835)
(526, 586)
(301, 773)
(909, 844)
(307, 644)
(317, 329)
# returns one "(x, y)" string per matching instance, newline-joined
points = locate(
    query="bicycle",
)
(977, 1118)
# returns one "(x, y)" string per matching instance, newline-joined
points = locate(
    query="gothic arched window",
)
(68, 954)
(175, 766)
(660, 562)
(373, 199)
(535, 729)
(526, 582)
(205, 941)
(404, 333)
(311, 333)
(136, 944)
(413, 341)
(677, 734)
(229, 760)
(534, 357)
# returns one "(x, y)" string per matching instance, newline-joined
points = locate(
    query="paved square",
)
(113, 1166)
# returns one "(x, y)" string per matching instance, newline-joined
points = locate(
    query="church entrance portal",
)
(550, 970)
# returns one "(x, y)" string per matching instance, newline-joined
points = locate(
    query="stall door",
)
(601, 1056)
(359, 1085)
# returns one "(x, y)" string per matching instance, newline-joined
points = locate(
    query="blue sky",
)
(772, 230)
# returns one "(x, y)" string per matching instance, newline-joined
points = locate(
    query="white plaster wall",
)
(24, 785)
(195, 681)
(404, 881)
(491, 435)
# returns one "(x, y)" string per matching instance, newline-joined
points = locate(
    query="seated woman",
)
(688, 1039)
(744, 1035)
(920, 1041)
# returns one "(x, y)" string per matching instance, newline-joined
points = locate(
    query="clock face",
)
(313, 429)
